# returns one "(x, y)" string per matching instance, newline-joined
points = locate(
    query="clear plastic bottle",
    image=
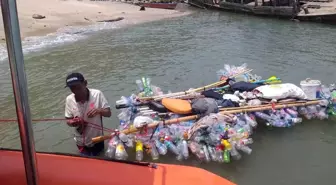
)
(244, 149)
(179, 157)
(111, 149)
(219, 155)
(212, 153)
(171, 146)
(121, 153)
(162, 149)
(140, 86)
(154, 151)
(196, 149)
(292, 112)
(247, 141)
(206, 153)
(138, 151)
(127, 141)
(185, 151)
(250, 121)
(234, 153)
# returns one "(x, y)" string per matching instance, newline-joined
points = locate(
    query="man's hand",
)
(75, 122)
(103, 112)
(94, 112)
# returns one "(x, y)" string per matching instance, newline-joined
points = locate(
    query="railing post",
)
(19, 82)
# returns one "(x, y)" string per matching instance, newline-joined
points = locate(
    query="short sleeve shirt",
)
(78, 109)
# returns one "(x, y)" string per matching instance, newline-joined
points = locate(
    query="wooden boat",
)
(27, 167)
(317, 11)
(170, 6)
(57, 169)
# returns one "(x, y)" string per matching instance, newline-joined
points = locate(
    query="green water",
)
(182, 53)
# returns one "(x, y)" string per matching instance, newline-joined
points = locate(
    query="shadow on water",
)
(182, 53)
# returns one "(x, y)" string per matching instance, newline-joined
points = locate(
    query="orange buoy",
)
(177, 106)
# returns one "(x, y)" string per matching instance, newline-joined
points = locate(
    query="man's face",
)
(78, 89)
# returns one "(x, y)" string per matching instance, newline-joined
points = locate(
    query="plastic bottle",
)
(250, 121)
(226, 156)
(111, 149)
(219, 155)
(138, 151)
(179, 157)
(140, 86)
(244, 149)
(127, 141)
(170, 145)
(247, 141)
(212, 153)
(162, 149)
(234, 153)
(121, 153)
(206, 153)
(154, 152)
(185, 151)
(291, 112)
(226, 144)
(196, 149)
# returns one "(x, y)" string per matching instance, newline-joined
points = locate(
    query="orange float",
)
(57, 169)
(177, 106)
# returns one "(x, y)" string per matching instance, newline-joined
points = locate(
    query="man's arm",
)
(106, 112)
(105, 109)
(68, 114)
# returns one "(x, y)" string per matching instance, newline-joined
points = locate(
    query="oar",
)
(272, 79)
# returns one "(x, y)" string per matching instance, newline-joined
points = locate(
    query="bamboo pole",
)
(193, 90)
(151, 125)
(262, 105)
(270, 107)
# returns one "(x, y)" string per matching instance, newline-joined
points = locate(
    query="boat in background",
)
(171, 5)
(28, 167)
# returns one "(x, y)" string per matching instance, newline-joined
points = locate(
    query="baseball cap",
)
(73, 79)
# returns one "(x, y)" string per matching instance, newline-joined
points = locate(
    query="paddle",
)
(270, 80)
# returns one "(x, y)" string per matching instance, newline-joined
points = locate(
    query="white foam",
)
(63, 35)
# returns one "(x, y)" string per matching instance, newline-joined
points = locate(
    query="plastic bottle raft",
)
(214, 122)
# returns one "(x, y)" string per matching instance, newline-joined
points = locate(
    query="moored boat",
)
(170, 6)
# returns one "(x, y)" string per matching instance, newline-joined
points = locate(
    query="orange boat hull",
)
(57, 169)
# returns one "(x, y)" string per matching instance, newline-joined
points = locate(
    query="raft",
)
(213, 123)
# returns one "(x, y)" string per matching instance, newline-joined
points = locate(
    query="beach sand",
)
(62, 13)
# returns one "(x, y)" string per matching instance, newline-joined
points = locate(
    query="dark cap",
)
(73, 79)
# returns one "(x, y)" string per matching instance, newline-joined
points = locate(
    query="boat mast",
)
(19, 82)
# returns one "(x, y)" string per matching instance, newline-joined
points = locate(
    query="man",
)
(84, 109)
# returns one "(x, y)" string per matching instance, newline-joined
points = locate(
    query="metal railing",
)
(19, 83)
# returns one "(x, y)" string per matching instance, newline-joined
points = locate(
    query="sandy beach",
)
(62, 13)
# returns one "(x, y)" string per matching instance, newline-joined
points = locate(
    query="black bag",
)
(204, 106)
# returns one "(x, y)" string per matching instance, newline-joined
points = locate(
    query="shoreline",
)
(60, 14)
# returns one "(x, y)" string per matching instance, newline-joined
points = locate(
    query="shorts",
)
(95, 150)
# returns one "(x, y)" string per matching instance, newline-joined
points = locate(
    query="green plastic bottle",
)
(226, 156)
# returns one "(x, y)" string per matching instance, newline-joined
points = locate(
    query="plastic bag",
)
(281, 91)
